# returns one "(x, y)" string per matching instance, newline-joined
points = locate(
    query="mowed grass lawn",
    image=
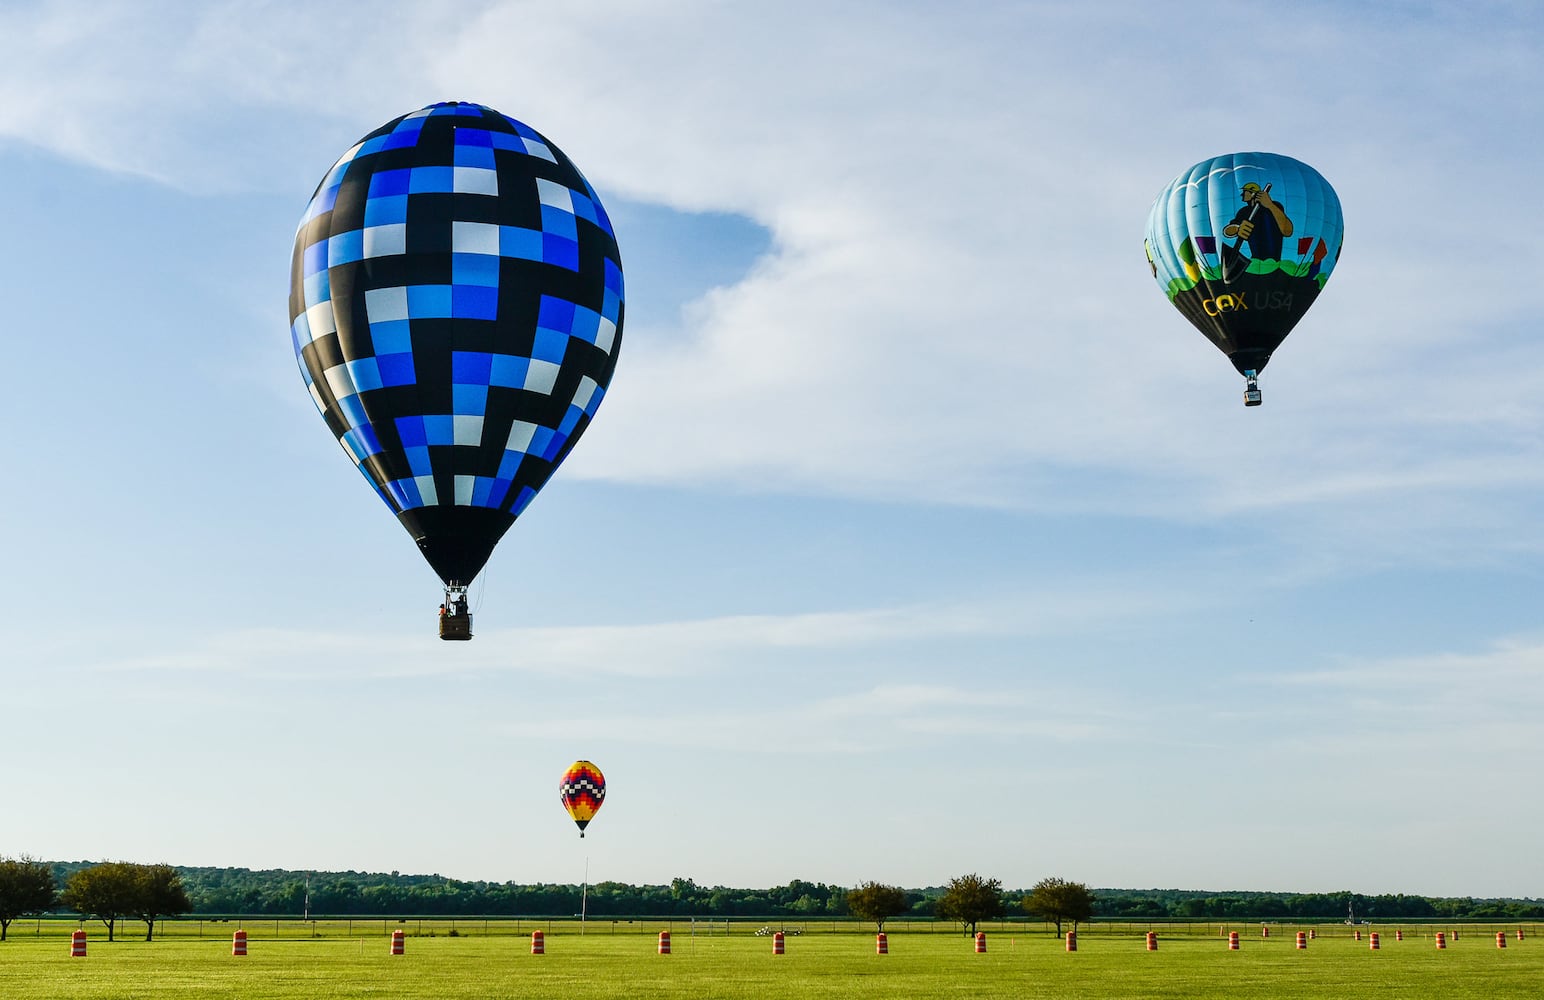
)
(603, 965)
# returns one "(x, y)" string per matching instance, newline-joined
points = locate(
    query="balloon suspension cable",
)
(1251, 388)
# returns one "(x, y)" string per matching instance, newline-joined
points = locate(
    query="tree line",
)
(113, 891)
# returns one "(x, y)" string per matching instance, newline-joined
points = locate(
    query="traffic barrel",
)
(981, 942)
(777, 943)
(1233, 940)
(1441, 940)
(1372, 941)
(1265, 930)
(1072, 940)
(239, 944)
(664, 942)
(1302, 941)
(78, 944)
(538, 943)
(1501, 939)
(398, 943)
(881, 944)
(1152, 940)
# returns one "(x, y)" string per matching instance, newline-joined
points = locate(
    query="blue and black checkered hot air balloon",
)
(1242, 244)
(456, 308)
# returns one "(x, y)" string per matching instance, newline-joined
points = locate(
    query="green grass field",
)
(1110, 963)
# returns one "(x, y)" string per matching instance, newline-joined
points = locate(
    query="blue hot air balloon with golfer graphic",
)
(456, 307)
(1242, 244)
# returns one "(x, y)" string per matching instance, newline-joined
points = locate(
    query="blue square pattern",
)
(474, 156)
(396, 369)
(468, 400)
(522, 501)
(559, 222)
(346, 248)
(411, 431)
(559, 252)
(392, 337)
(418, 460)
(471, 367)
(509, 371)
(474, 269)
(316, 288)
(386, 210)
(474, 137)
(521, 244)
(474, 302)
(549, 345)
(353, 410)
(432, 180)
(365, 373)
(314, 258)
(389, 182)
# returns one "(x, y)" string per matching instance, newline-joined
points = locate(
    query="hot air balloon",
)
(582, 790)
(1242, 244)
(456, 309)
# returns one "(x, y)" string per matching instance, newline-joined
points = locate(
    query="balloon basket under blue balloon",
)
(455, 619)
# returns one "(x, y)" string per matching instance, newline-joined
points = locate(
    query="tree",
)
(26, 886)
(105, 891)
(1056, 900)
(971, 898)
(116, 889)
(159, 894)
(872, 901)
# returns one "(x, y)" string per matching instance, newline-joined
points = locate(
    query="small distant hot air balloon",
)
(1242, 244)
(456, 308)
(582, 790)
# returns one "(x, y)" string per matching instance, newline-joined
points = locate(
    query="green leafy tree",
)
(1058, 900)
(159, 893)
(872, 901)
(106, 891)
(26, 886)
(971, 899)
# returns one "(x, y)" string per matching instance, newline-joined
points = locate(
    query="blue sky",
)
(918, 535)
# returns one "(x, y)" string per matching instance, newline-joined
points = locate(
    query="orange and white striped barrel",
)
(1441, 940)
(538, 943)
(777, 943)
(981, 942)
(1302, 941)
(78, 944)
(239, 944)
(1265, 930)
(1358, 935)
(1233, 940)
(1501, 939)
(1372, 941)
(1152, 940)
(1072, 940)
(1399, 935)
(881, 944)
(1519, 933)
(398, 943)
(664, 942)
(1313, 934)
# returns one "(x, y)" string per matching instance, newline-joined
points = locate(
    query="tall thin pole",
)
(584, 894)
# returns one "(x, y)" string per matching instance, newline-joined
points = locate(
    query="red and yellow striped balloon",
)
(582, 789)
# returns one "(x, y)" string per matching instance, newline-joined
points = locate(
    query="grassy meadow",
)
(288, 960)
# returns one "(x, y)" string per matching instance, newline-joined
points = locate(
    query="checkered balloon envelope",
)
(583, 791)
(456, 307)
